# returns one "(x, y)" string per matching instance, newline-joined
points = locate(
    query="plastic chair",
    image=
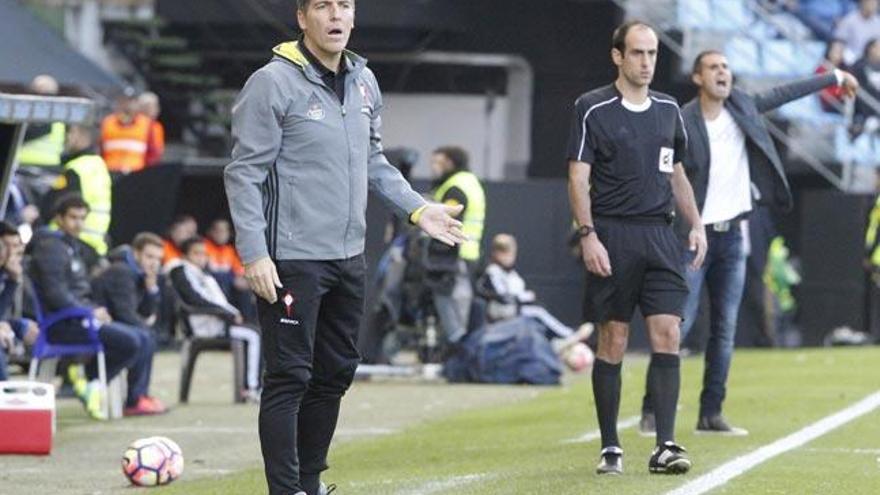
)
(193, 345)
(48, 352)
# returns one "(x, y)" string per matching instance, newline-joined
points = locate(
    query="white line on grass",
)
(724, 473)
(596, 434)
(844, 451)
(436, 486)
(228, 430)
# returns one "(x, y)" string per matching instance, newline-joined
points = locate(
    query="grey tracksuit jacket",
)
(302, 163)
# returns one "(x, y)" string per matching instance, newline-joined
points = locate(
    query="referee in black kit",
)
(625, 152)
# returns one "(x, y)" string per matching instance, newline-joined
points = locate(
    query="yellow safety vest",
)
(97, 191)
(474, 214)
(44, 151)
(871, 234)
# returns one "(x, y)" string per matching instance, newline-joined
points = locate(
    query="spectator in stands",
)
(43, 143)
(61, 282)
(148, 102)
(20, 209)
(785, 22)
(857, 28)
(125, 136)
(819, 16)
(225, 265)
(182, 228)
(832, 97)
(130, 288)
(12, 330)
(22, 298)
(867, 70)
(196, 287)
(85, 173)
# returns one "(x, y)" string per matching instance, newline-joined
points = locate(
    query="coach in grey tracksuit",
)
(307, 150)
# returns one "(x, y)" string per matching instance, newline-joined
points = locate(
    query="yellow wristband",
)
(415, 216)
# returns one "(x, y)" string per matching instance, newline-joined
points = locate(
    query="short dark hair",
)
(457, 155)
(188, 244)
(698, 61)
(618, 39)
(67, 202)
(145, 239)
(302, 4)
(7, 229)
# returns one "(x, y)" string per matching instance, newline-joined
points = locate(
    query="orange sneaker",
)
(144, 407)
(158, 405)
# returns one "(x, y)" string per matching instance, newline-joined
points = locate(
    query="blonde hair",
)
(503, 243)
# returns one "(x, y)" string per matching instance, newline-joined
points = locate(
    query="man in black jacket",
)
(129, 288)
(732, 163)
(61, 282)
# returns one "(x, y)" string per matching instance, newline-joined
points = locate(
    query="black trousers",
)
(310, 352)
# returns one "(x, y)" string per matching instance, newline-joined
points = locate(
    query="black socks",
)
(606, 393)
(664, 382)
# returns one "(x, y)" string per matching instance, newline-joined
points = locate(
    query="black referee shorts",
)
(647, 269)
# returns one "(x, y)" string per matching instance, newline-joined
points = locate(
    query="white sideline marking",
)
(724, 473)
(437, 486)
(845, 451)
(230, 430)
(597, 434)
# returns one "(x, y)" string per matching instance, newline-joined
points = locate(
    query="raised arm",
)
(780, 95)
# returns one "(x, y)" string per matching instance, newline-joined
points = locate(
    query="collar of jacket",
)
(291, 52)
(132, 264)
(69, 157)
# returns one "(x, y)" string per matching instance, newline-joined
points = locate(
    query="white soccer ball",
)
(578, 357)
(152, 461)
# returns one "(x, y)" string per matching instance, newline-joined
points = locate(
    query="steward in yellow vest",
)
(43, 145)
(457, 185)
(86, 174)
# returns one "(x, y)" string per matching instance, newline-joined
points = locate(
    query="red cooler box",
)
(27, 417)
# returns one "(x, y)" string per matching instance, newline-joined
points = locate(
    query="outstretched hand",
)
(850, 84)
(438, 221)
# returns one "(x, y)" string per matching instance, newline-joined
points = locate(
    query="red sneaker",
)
(158, 405)
(144, 407)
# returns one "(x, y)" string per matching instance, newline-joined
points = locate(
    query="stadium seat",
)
(730, 15)
(743, 55)
(694, 13)
(778, 58)
(193, 345)
(45, 355)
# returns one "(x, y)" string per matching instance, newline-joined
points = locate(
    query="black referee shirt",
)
(631, 152)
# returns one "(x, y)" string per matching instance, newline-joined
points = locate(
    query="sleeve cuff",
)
(416, 215)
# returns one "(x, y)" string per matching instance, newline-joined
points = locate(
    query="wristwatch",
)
(584, 231)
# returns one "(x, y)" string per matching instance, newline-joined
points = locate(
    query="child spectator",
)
(506, 291)
(196, 287)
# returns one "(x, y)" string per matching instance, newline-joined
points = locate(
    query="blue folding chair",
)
(43, 350)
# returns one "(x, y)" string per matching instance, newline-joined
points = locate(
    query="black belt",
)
(639, 219)
(724, 226)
